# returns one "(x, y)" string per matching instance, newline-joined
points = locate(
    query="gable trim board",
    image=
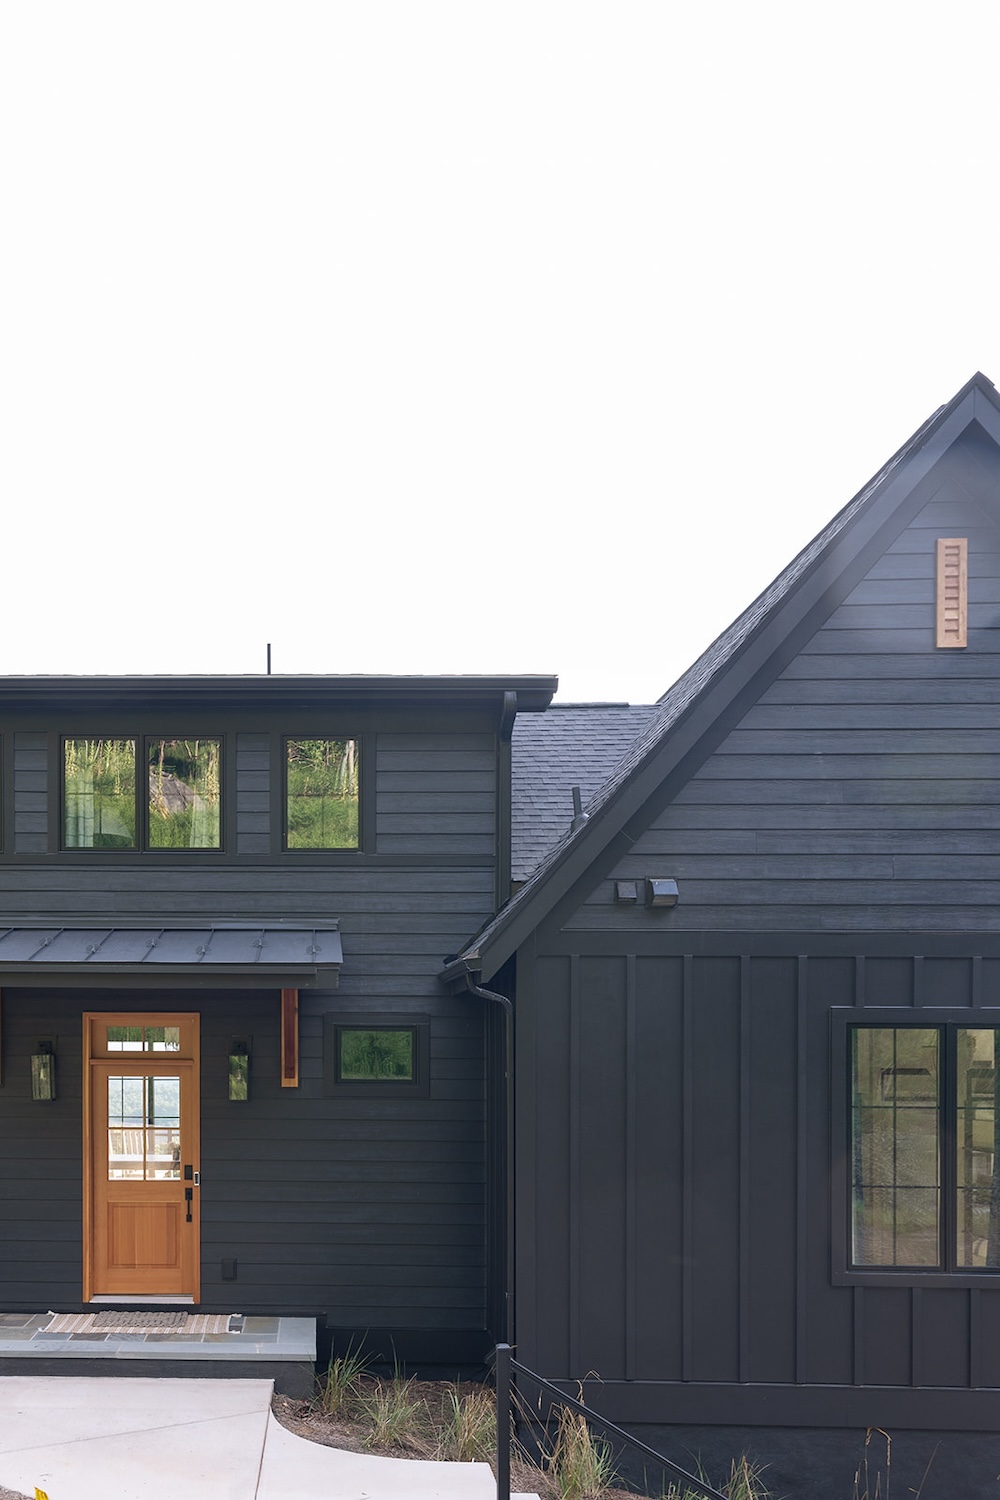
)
(705, 703)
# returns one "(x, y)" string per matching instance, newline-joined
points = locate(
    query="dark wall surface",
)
(369, 1210)
(682, 1194)
(860, 789)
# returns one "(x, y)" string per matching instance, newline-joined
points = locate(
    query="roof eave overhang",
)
(199, 976)
(533, 693)
(456, 972)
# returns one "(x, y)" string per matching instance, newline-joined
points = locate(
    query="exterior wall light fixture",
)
(661, 892)
(239, 1068)
(43, 1072)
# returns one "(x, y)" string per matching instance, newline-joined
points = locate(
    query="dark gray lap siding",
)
(368, 1211)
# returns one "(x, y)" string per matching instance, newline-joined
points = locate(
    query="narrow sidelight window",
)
(322, 794)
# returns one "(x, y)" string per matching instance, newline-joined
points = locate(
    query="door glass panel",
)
(163, 1038)
(144, 1129)
(124, 1038)
(144, 1038)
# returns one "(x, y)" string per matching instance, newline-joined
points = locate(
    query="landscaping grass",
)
(403, 1417)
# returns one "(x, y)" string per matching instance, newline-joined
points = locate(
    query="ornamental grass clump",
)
(744, 1483)
(340, 1389)
(467, 1425)
(581, 1465)
(395, 1418)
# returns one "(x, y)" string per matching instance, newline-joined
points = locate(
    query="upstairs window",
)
(321, 794)
(174, 802)
(925, 1147)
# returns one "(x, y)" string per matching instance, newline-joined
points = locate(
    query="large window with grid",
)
(925, 1147)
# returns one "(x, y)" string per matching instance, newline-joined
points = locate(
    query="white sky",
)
(467, 337)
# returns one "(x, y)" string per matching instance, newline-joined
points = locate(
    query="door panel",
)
(142, 1236)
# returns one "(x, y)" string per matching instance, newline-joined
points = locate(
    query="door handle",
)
(188, 1195)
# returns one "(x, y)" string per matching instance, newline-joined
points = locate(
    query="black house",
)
(231, 1075)
(757, 1012)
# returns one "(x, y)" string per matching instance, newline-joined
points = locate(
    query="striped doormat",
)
(190, 1325)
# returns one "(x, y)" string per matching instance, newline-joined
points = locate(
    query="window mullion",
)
(948, 1147)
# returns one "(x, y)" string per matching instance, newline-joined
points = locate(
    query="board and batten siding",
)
(675, 1209)
(370, 1211)
(862, 789)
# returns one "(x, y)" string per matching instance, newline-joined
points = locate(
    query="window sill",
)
(908, 1277)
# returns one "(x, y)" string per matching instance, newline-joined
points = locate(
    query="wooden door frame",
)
(191, 1063)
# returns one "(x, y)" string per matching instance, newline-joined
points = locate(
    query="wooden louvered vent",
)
(952, 590)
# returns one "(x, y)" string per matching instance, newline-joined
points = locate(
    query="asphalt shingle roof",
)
(572, 744)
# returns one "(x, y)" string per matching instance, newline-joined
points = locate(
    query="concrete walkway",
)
(81, 1438)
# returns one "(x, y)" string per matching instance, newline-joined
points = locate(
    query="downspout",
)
(508, 1248)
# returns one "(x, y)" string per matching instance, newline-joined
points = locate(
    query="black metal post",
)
(503, 1421)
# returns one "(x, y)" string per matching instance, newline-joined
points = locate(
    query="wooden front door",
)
(141, 1234)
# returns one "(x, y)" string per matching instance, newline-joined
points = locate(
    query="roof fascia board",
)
(755, 657)
(533, 693)
(986, 411)
(125, 976)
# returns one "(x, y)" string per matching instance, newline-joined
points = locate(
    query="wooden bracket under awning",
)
(289, 1039)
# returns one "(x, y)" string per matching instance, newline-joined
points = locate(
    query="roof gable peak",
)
(751, 640)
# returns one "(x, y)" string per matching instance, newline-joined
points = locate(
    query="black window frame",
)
(335, 1023)
(948, 1022)
(142, 739)
(365, 743)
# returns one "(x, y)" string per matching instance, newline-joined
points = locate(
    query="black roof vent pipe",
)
(579, 816)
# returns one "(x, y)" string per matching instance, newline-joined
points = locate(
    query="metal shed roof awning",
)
(273, 956)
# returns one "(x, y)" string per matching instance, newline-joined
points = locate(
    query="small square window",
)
(388, 1055)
